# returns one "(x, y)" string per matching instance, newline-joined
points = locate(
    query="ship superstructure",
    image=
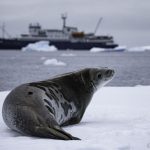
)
(65, 38)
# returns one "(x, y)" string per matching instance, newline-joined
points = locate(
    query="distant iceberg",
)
(54, 62)
(139, 49)
(40, 46)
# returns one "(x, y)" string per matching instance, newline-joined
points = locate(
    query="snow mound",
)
(40, 46)
(96, 49)
(139, 49)
(118, 118)
(54, 62)
(68, 54)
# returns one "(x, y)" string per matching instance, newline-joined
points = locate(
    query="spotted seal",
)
(43, 108)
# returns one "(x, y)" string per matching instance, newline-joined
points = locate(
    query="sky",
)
(127, 20)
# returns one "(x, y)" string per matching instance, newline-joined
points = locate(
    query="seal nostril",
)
(108, 72)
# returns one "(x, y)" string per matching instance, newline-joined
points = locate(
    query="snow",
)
(54, 62)
(139, 49)
(40, 46)
(118, 118)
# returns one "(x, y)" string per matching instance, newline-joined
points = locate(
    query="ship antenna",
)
(64, 17)
(98, 24)
(4, 31)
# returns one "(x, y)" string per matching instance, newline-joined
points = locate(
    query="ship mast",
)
(64, 17)
(97, 25)
(3, 30)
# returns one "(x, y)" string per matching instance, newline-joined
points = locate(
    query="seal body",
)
(42, 108)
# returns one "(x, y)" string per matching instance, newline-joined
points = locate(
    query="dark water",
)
(18, 67)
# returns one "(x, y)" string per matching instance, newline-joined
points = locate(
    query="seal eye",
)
(99, 76)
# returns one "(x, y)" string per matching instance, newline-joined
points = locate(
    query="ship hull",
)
(17, 44)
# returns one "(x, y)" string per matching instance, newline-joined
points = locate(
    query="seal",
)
(43, 108)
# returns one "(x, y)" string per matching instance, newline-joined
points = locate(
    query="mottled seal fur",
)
(42, 108)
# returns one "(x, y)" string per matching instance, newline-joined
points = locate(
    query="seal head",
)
(100, 77)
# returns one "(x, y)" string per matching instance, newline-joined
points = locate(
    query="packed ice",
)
(118, 118)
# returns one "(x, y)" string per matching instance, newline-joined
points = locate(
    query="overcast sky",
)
(127, 20)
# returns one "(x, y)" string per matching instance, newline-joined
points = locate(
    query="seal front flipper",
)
(54, 133)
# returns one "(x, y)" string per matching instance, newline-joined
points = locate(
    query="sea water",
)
(17, 67)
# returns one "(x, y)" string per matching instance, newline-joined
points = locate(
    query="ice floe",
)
(54, 62)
